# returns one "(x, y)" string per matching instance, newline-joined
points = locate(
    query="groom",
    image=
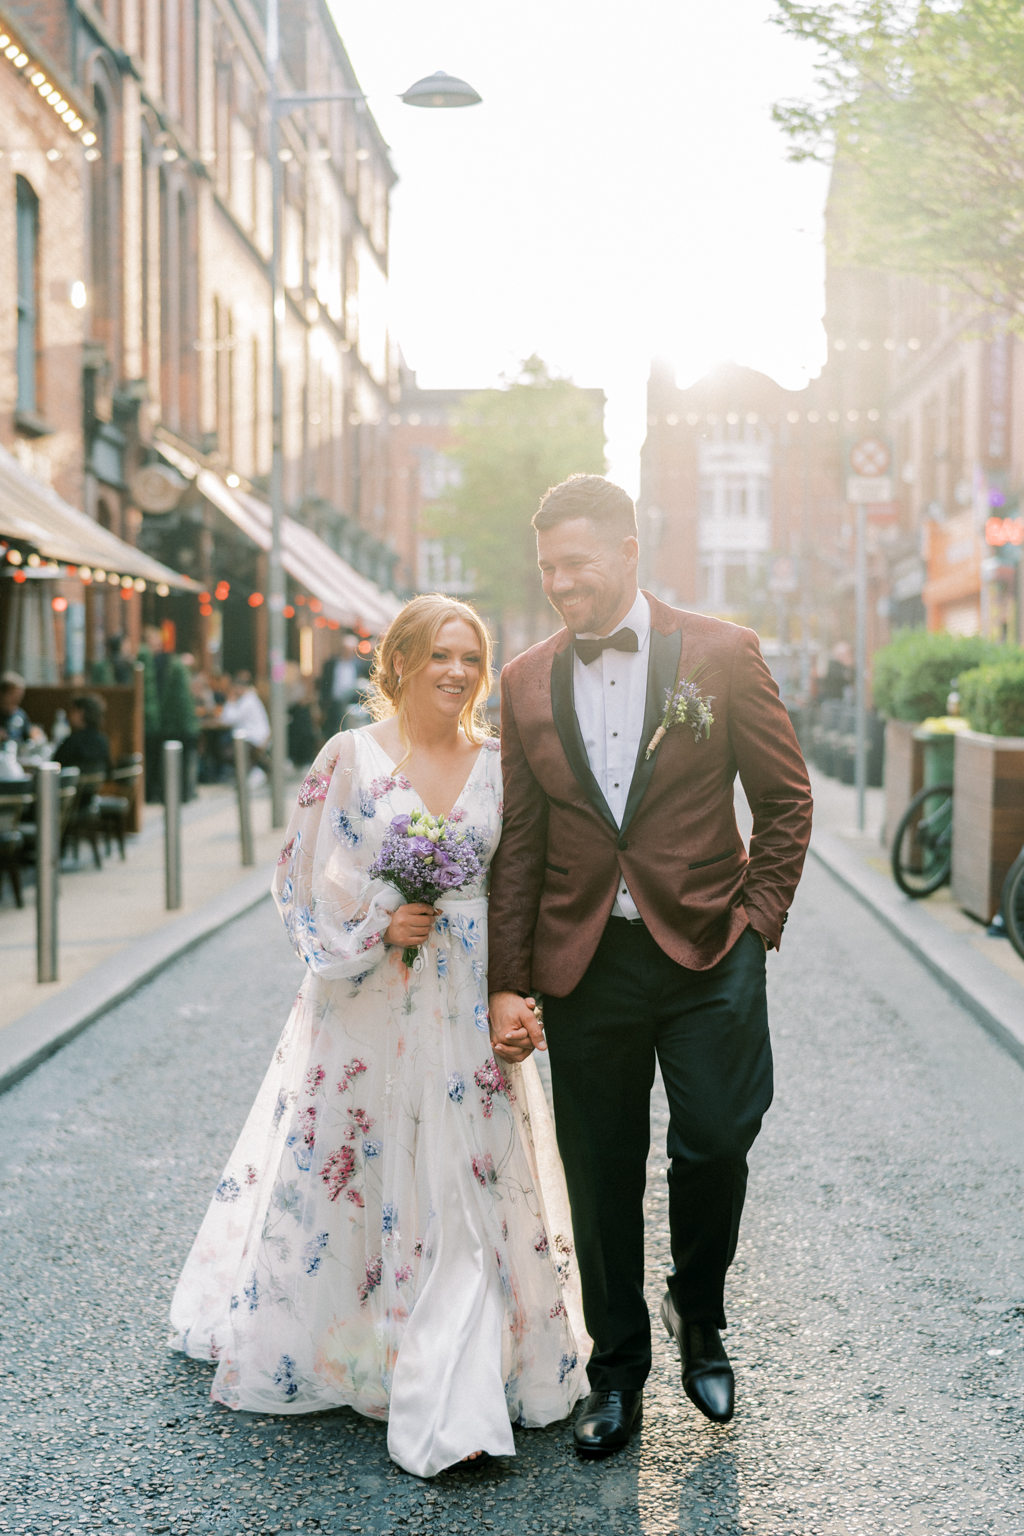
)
(621, 895)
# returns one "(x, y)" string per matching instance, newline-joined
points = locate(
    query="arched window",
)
(28, 297)
(178, 302)
(101, 224)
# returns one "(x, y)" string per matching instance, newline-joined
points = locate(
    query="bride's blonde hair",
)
(412, 635)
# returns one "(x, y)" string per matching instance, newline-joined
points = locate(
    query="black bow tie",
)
(590, 650)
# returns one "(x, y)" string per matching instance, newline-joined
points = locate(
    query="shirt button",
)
(615, 786)
(613, 682)
(615, 733)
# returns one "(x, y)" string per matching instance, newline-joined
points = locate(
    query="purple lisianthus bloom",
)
(421, 867)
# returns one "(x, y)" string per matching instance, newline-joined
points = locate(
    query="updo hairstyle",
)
(412, 635)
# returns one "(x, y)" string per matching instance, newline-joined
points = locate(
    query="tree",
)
(921, 109)
(511, 445)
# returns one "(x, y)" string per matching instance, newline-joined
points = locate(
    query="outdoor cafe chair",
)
(27, 829)
(115, 809)
(85, 818)
(12, 839)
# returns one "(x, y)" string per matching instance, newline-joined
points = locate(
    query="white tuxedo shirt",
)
(610, 697)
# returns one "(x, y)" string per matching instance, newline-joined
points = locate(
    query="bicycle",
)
(1012, 904)
(922, 849)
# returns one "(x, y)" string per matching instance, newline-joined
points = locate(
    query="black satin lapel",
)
(662, 671)
(563, 708)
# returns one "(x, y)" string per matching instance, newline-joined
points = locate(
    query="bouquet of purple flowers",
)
(423, 857)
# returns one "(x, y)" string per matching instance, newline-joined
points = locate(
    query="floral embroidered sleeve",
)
(335, 914)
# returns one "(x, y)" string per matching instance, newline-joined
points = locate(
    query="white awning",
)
(347, 596)
(33, 513)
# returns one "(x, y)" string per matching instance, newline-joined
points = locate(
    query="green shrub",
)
(912, 675)
(992, 698)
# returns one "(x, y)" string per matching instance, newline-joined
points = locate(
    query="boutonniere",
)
(685, 705)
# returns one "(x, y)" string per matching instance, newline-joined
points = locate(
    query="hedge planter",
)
(988, 818)
(904, 770)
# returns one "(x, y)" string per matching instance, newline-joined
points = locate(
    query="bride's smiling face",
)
(449, 680)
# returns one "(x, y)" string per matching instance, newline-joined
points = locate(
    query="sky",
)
(621, 194)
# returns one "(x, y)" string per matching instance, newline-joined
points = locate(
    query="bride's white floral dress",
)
(392, 1231)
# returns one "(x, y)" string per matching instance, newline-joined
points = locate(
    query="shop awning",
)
(34, 514)
(347, 596)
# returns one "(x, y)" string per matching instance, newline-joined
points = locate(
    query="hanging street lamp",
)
(437, 90)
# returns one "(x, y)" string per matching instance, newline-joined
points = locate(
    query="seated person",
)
(244, 712)
(87, 748)
(15, 725)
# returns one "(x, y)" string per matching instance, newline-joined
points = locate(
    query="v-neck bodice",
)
(401, 779)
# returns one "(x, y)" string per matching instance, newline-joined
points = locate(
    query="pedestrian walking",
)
(170, 712)
(622, 896)
(392, 1230)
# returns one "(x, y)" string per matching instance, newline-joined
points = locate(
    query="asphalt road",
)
(877, 1302)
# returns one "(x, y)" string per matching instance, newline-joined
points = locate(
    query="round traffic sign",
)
(869, 457)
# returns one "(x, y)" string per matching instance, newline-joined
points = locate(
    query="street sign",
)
(867, 490)
(870, 457)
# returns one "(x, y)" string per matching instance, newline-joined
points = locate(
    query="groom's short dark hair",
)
(607, 505)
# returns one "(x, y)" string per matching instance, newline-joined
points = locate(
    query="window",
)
(438, 473)
(28, 295)
(101, 288)
(223, 329)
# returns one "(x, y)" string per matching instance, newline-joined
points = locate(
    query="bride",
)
(392, 1231)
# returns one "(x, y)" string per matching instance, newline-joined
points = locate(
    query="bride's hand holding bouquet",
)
(423, 858)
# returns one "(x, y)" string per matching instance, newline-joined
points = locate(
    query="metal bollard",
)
(244, 807)
(173, 758)
(47, 865)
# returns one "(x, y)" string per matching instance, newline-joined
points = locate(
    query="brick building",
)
(48, 144)
(742, 511)
(168, 228)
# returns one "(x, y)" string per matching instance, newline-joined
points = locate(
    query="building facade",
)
(164, 237)
(741, 509)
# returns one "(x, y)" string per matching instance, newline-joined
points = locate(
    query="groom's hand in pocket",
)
(516, 1031)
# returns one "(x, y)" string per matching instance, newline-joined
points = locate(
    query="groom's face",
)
(590, 580)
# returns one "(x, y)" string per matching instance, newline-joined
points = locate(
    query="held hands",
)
(410, 925)
(516, 1031)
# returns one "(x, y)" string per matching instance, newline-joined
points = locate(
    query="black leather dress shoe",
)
(606, 1421)
(708, 1380)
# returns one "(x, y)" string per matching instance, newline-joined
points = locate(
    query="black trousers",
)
(709, 1033)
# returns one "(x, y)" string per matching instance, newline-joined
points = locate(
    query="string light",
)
(49, 93)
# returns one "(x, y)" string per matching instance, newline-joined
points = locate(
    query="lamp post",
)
(437, 91)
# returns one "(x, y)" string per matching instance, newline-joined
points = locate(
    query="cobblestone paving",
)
(877, 1304)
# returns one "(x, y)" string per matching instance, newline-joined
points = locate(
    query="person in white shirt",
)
(244, 712)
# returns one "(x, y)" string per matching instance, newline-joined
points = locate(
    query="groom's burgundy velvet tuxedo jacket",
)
(556, 870)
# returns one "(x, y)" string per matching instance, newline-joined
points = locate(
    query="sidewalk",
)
(113, 928)
(985, 973)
